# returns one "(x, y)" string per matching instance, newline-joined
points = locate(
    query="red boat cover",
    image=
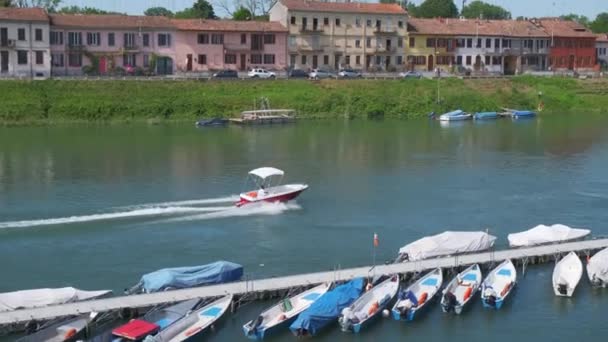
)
(136, 330)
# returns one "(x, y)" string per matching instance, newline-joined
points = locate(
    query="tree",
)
(480, 9)
(83, 10)
(158, 11)
(581, 19)
(49, 5)
(260, 9)
(5, 3)
(200, 9)
(600, 24)
(437, 8)
(242, 14)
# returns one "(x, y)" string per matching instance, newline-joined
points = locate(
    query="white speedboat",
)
(498, 285)
(283, 313)
(416, 297)
(566, 275)
(597, 268)
(267, 180)
(461, 290)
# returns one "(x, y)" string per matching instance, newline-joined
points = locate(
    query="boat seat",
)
(469, 277)
(211, 312)
(311, 296)
(504, 272)
(429, 282)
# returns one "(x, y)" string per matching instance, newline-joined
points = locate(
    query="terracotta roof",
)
(27, 14)
(344, 7)
(227, 25)
(602, 37)
(565, 28)
(474, 27)
(110, 21)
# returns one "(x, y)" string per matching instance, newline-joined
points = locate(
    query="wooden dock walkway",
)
(300, 280)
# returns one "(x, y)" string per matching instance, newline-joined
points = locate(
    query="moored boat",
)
(267, 180)
(521, 114)
(597, 268)
(461, 290)
(283, 313)
(566, 275)
(498, 284)
(28, 299)
(213, 122)
(457, 115)
(416, 297)
(446, 243)
(485, 116)
(369, 306)
(67, 330)
(542, 234)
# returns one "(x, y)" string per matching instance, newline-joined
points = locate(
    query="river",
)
(96, 206)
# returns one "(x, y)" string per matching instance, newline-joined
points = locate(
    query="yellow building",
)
(426, 49)
(331, 35)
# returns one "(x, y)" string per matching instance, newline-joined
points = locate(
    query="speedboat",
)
(485, 116)
(283, 313)
(597, 268)
(214, 122)
(457, 115)
(369, 306)
(566, 275)
(498, 285)
(461, 290)
(269, 189)
(413, 299)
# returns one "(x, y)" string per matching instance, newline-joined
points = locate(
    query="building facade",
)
(601, 49)
(206, 45)
(572, 45)
(24, 43)
(332, 35)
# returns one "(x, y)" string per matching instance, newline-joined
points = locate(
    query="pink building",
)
(203, 45)
(107, 42)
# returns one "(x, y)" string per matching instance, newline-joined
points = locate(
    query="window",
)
(468, 60)
(400, 42)
(368, 23)
(111, 39)
(146, 61)
(217, 39)
(203, 38)
(21, 34)
(293, 20)
(229, 59)
(478, 43)
(164, 39)
(358, 21)
(303, 60)
(145, 40)
(412, 42)
(269, 39)
(487, 60)
(441, 42)
(399, 60)
(358, 60)
(56, 38)
(488, 43)
(458, 60)
(57, 59)
(243, 38)
(202, 59)
(378, 60)
(470, 42)
(75, 60)
(256, 59)
(358, 43)
(368, 42)
(506, 43)
(460, 43)
(39, 57)
(129, 40)
(38, 35)
(326, 21)
(93, 38)
(128, 59)
(292, 41)
(430, 42)
(496, 60)
(326, 60)
(268, 59)
(347, 60)
(417, 60)
(337, 21)
(21, 57)
(292, 60)
(400, 24)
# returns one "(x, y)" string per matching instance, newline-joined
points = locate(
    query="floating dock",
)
(265, 116)
(520, 256)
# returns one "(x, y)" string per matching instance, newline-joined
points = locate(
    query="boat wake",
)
(261, 208)
(219, 200)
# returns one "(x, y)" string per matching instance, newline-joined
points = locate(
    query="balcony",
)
(311, 29)
(8, 43)
(130, 47)
(385, 49)
(314, 48)
(379, 30)
(76, 47)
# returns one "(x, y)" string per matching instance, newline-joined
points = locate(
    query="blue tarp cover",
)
(184, 277)
(328, 307)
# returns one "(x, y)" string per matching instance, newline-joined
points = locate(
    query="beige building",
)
(331, 35)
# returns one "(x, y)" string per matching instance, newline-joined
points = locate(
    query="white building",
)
(24, 43)
(601, 48)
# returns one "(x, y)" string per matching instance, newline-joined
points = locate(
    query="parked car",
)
(226, 74)
(297, 73)
(349, 73)
(261, 73)
(318, 74)
(410, 74)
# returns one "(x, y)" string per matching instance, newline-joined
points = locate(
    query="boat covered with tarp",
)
(542, 234)
(456, 115)
(597, 268)
(446, 243)
(327, 308)
(27, 299)
(185, 277)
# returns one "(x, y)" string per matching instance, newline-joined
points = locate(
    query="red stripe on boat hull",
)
(280, 198)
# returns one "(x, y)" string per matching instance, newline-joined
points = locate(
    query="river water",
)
(97, 206)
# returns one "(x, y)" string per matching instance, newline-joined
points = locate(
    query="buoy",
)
(385, 313)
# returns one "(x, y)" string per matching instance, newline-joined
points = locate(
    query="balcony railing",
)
(10, 43)
(384, 30)
(76, 47)
(385, 49)
(311, 29)
(130, 47)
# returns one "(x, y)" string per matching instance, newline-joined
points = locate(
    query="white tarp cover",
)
(42, 297)
(542, 234)
(264, 172)
(598, 266)
(448, 243)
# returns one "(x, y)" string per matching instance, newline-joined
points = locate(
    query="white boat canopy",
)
(265, 172)
(447, 243)
(542, 234)
(10, 301)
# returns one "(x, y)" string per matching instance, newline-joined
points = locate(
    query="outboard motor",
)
(491, 300)
(450, 301)
(562, 289)
(255, 324)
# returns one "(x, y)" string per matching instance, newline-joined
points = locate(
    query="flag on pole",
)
(376, 241)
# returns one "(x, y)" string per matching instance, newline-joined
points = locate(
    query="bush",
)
(139, 71)
(118, 71)
(89, 70)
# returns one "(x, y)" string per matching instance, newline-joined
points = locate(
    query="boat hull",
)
(261, 334)
(282, 197)
(486, 116)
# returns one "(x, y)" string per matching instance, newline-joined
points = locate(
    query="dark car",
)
(226, 74)
(297, 73)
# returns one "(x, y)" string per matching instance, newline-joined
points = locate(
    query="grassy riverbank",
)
(24, 102)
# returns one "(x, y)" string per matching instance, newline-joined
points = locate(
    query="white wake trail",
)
(219, 200)
(262, 208)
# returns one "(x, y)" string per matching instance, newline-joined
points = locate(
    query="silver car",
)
(318, 74)
(410, 74)
(349, 73)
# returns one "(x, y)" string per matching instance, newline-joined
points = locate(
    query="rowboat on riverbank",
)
(267, 180)
(457, 115)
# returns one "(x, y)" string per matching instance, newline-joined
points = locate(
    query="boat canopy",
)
(184, 277)
(447, 243)
(542, 234)
(328, 307)
(265, 172)
(42, 297)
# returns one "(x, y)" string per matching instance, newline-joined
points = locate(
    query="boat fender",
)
(505, 289)
(282, 317)
(368, 286)
(70, 333)
(423, 297)
(373, 308)
(467, 293)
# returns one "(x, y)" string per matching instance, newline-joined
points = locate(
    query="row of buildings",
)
(301, 34)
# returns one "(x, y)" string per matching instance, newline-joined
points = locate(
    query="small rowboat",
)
(457, 115)
(461, 290)
(416, 297)
(566, 275)
(485, 116)
(597, 268)
(270, 190)
(498, 285)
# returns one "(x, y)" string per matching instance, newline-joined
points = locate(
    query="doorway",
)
(571, 62)
(3, 61)
(243, 61)
(189, 62)
(164, 66)
(431, 63)
(102, 65)
(315, 61)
